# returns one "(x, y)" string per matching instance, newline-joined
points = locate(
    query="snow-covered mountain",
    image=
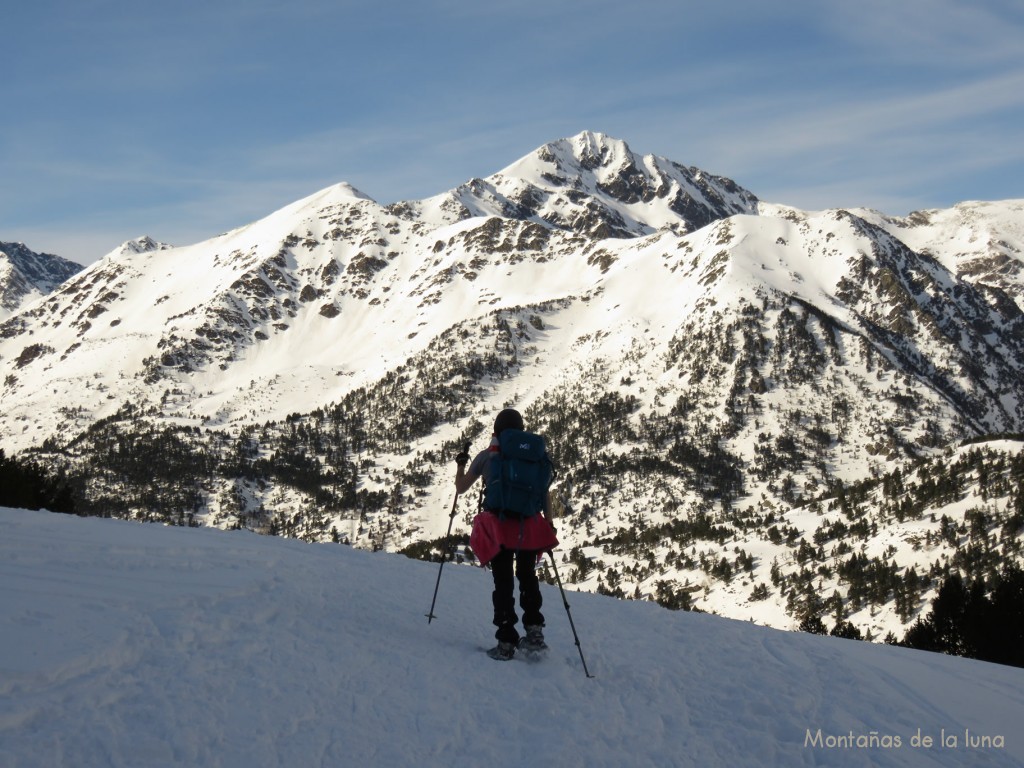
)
(334, 290)
(597, 186)
(982, 242)
(138, 645)
(144, 244)
(712, 371)
(26, 275)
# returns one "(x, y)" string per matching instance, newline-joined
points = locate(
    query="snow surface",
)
(123, 644)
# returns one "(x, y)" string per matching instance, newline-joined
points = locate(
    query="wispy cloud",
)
(950, 34)
(183, 121)
(898, 144)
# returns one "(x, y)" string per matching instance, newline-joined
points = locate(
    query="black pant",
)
(503, 596)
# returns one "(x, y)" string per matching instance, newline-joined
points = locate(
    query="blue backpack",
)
(520, 475)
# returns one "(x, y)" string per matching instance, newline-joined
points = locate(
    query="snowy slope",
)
(134, 645)
(984, 241)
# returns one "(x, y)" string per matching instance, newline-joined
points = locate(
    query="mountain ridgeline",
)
(769, 413)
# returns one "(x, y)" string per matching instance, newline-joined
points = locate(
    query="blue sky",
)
(183, 120)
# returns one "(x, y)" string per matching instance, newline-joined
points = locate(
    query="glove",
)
(462, 458)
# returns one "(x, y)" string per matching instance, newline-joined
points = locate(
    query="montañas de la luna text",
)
(877, 740)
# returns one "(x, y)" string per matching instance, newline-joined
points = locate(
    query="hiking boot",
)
(533, 643)
(502, 651)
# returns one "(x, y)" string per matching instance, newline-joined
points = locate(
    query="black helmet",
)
(509, 418)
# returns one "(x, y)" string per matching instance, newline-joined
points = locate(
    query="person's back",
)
(509, 540)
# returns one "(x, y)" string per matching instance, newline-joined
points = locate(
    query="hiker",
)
(510, 542)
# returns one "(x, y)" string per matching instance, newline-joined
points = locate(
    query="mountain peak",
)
(345, 190)
(26, 275)
(595, 183)
(592, 149)
(143, 244)
(342, 192)
(573, 156)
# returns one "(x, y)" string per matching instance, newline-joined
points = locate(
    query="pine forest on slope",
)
(756, 410)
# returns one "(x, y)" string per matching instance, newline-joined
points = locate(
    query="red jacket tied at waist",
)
(491, 534)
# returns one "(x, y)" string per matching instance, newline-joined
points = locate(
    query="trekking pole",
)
(568, 613)
(567, 509)
(444, 552)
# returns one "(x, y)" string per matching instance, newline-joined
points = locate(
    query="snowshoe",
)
(533, 645)
(502, 651)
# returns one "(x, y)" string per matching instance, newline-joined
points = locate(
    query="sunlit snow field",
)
(124, 644)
